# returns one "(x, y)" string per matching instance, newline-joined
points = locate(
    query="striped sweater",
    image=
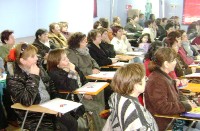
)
(128, 115)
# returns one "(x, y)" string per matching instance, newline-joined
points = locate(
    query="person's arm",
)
(1, 65)
(23, 90)
(157, 93)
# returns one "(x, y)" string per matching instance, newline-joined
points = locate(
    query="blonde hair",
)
(126, 77)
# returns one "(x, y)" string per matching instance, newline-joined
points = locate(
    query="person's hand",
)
(184, 82)
(95, 71)
(192, 104)
(114, 61)
(34, 70)
(72, 66)
(193, 69)
(46, 55)
(178, 82)
(88, 97)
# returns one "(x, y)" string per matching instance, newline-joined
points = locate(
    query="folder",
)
(194, 113)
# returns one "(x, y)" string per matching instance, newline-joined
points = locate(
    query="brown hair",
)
(102, 30)
(160, 56)
(52, 26)
(54, 58)
(126, 77)
(75, 39)
(92, 35)
(115, 29)
(24, 50)
(5, 35)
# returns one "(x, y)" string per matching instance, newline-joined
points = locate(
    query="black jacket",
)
(108, 49)
(23, 89)
(99, 55)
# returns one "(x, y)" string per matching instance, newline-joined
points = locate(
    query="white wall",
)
(26, 16)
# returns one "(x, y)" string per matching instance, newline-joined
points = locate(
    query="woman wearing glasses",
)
(29, 84)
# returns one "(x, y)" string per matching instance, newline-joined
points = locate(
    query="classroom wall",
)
(26, 16)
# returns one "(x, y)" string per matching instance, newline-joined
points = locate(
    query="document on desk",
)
(194, 113)
(193, 75)
(119, 64)
(61, 105)
(194, 65)
(104, 74)
(92, 87)
(135, 53)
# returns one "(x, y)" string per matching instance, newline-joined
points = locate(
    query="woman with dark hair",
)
(163, 94)
(67, 77)
(79, 54)
(95, 50)
(29, 84)
(144, 42)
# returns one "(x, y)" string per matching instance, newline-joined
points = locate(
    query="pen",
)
(62, 105)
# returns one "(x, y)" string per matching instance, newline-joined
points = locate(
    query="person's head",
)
(26, 54)
(104, 22)
(117, 20)
(183, 35)
(148, 24)
(63, 26)
(192, 28)
(164, 21)
(129, 19)
(144, 38)
(104, 33)
(174, 36)
(141, 16)
(57, 58)
(165, 59)
(94, 36)
(135, 18)
(97, 25)
(117, 31)
(169, 28)
(42, 35)
(54, 28)
(77, 40)
(153, 48)
(152, 17)
(129, 79)
(158, 21)
(7, 37)
(176, 19)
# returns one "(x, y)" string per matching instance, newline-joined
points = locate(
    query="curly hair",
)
(75, 39)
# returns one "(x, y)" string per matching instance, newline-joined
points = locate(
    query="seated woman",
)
(144, 42)
(105, 43)
(66, 77)
(78, 54)
(163, 94)
(97, 53)
(126, 112)
(56, 36)
(121, 45)
(29, 84)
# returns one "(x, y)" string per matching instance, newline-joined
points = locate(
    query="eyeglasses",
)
(23, 47)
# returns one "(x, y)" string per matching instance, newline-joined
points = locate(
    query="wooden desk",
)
(115, 65)
(108, 75)
(124, 58)
(33, 108)
(193, 87)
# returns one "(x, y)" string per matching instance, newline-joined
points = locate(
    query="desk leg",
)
(24, 121)
(39, 121)
(170, 123)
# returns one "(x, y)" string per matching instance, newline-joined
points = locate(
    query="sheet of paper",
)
(3, 78)
(104, 74)
(135, 53)
(119, 64)
(61, 105)
(92, 87)
(193, 75)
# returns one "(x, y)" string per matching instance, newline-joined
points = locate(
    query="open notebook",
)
(61, 105)
(194, 113)
(193, 75)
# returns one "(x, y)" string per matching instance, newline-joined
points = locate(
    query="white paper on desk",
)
(194, 65)
(193, 75)
(119, 64)
(91, 87)
(61, 105)
(135, 53)
(104, 74)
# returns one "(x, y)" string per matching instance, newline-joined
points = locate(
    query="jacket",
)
(108, 49)
(84, 62)
(99, 55)
(187, 59)
(59, 41)
(23, 89)
(128, 115)
(162, 97)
